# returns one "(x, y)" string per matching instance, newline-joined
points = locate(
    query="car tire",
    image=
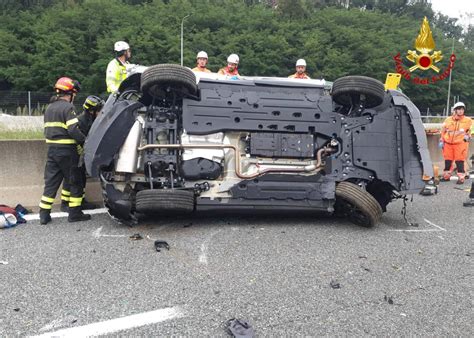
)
(157, 80)
(349, 90)
(164, 200)
(357, 204)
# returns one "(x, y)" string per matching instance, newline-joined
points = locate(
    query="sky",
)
(455, 9)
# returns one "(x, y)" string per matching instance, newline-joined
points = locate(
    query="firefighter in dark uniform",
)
(62, 133)
(92, 107)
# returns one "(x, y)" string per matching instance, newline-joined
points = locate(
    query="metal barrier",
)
(31, 103)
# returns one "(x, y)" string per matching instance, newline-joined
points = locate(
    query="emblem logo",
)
(424, 43)
(424, 58)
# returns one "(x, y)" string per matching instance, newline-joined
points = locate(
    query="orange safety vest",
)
(225, 71)
(455, 128)
(298, 76)
(204, 70)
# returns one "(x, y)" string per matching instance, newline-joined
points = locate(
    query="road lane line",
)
(97, 234)
(31, 217)
(118, 324)
(205, 248)
(431, 223)
(438, 228)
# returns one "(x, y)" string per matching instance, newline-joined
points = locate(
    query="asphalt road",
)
(286, 275)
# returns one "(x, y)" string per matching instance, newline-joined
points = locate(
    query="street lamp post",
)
(182, 24)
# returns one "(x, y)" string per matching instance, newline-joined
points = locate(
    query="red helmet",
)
(67, 85)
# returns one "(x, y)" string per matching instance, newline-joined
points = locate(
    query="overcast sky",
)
(455, 9)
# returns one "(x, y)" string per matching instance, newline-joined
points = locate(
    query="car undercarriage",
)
(168, 143)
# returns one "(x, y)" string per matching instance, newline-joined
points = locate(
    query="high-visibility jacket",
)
(299, 76)
(204, 70)
(116, 73)
(226, 71)
(455, 129)
(61, 126)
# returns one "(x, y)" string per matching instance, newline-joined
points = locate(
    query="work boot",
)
(76, 215)
(86, 205)
(469, 202)
(460, 179)
(64, 206)
(446, 176)
(45, 216)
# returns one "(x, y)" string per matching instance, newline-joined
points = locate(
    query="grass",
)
(35, 134)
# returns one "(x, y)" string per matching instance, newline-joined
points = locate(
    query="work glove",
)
(441, 144)
(80, 150)
(466, 138)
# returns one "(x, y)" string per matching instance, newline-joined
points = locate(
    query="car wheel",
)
(357, 205)
(351, 90)
(164, 200)
(157, 80)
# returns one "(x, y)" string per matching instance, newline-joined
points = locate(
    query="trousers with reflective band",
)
(62, 167)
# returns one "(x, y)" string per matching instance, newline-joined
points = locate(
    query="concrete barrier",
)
(22, 167)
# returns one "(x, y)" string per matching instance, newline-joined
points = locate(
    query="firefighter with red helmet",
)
(62, 133)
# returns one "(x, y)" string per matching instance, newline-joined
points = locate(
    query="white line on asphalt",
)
(97, 234)
(437, 226)
(422, 230)
(118, 324)
(31, 217)
(205, 248)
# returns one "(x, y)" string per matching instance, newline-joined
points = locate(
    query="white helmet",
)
(459, 104)
(300, 62)
(201, 54)
(121, 46)
(233, 58)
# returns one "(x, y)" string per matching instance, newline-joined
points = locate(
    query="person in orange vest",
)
(455, 136)
(232, 65)
(300, 70)
(201, 60)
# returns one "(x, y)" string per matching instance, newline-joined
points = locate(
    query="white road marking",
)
(431, 223)
(98, 233)
(438, 228)
(118, 324)
(31, 217)
(3, 263)
(205, 248)
(57, 323)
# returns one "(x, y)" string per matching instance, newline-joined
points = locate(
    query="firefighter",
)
(92, 107)
(117, 68)
(232, 65)
(62, 133)
(201, 60)
(455, 136)
(300, 70)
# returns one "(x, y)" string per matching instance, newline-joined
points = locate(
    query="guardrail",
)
(23, 161)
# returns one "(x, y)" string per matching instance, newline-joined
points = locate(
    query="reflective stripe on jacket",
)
(298, 76)
(61, 124)
(116, 73)
(455, 129)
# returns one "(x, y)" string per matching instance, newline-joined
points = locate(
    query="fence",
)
(31, 103)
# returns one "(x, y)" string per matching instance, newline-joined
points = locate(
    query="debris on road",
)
(17, 309)
(239, 328)
(3, 263)
(136, 237)
(335, 285)
(388, 299)
(161, 244)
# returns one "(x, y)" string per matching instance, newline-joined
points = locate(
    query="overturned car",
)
(168, 143)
